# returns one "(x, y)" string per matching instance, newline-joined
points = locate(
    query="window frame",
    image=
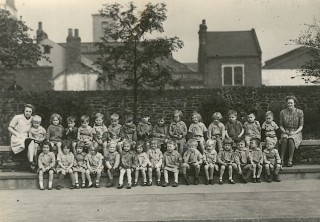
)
(233, 66)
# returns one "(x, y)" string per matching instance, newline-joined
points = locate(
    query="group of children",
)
(143, 149)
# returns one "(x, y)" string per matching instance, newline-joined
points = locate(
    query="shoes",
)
(135, 184)
(220, 181)
(120, 186)
(72, 187)
(144, 184)
(268, 179)
(158, 183)
(77, 186)
(206, 182)
(149, 183)
(129, 186)
(41, 188)
(83, 185)
(211, 181)
(175, 184)
(97, 185)
(58, 187)
(90, 186)
(165, 184)
(196, 181)
(49, 188)
(276, 178)
(289, 164)
(110, 184)
(244, 179)
(258, 180)
(231, 181)
(254, 180)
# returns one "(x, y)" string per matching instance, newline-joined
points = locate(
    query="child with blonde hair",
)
(127, 164)
(46, 163)
(272, 161)
(156, 160)
(210, 160)
(112, 161)
(198, 130)
(269, 128)
(178, 130)
(94, 166)
(217, 130)
(172, 161)
(55, 132)
(85, 134)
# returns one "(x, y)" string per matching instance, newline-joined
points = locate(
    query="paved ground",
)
(292, 200)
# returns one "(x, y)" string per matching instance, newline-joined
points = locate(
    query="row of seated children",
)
(139, 161)
(100, 135)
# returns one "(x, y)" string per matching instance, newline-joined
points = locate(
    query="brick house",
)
(229, 58)
(285, 69)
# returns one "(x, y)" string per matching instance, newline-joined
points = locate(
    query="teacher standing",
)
(291, 125)
(19, 128)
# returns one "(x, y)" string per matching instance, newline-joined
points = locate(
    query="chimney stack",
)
(202, 49)
(73, 48)
(41, 35)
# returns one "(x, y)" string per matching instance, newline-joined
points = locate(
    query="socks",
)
(50, 184)
(41, 184)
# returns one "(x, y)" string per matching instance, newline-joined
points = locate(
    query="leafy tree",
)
(311, 38)
(17, 48)
(128, 55)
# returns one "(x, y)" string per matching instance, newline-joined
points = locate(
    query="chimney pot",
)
(203, 21)
(76, 32)
(40, 25)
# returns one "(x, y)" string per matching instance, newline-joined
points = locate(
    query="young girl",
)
(252, 128)
(216, 130)
(210, 160)
(46, 163)
(272, 161)
(94, 166)
(234, 128)
(226, 160)
(142, 162)
(256, 158)
(172, 161)
(70, 134)
(55, 131)
(144, 130)
(112, 161)
(85, 133)
(115, 131)
(269, 128)
(36, 134)
(65, 161)
(80, 166)
(127, 164)
(198, 130)
(178, 131)
(99, 133)
(160, 131)
(156, 159)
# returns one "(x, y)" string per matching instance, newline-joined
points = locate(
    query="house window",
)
(232, 75)
(47, 49)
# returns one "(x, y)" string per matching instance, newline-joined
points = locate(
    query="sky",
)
(276, 21)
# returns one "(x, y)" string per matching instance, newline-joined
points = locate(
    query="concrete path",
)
(294, 200)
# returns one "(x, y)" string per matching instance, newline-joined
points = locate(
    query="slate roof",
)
(232, 44)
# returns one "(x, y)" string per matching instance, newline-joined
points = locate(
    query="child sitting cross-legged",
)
(192, 158)
(256, 159)
(94, 166)
(272, 161)
(156, 159)
(80, 166)
(226, 160)
(46, 163)
(112, 161)
(171, 162)
(242, 159)
(127, 164)
(142, 162)
(210, 160)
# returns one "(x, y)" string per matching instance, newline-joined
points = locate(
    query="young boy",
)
(210, 160)
(234, 128)
(272, 161)
(252, 128)
(226, 160)
(178, 130)
(112, 161)
(144, 130)
(129, 129)
(37, 134)
(171, 162)
(99, 131)
(70, 133)
(269, 128)
(156, 160)
(192, 158)
(242, 159)
(217, 130)
(256, 159)
(160, 131)
(115, 131)
(85, 133)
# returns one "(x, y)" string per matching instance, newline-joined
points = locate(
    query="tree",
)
(311, 38)
(127, 53)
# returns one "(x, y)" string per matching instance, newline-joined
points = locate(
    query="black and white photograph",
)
(159, 110)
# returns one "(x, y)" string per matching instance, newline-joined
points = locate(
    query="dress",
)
(22, 125)
(55, 133)
(94, 161)
(172, 161)
(80, 162)
(46, 160)
(113, 159)
(291, 120)
(66, 160)
(142, 160)
(154, 155)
